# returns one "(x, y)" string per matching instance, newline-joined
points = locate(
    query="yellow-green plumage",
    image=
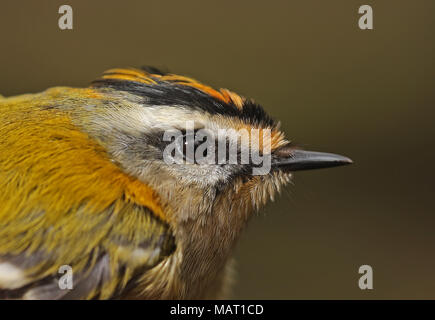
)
(63, 202)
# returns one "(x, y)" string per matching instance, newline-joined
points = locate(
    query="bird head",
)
(203, 150)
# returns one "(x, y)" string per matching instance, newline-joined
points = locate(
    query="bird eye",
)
(202, 147)
(187, 145)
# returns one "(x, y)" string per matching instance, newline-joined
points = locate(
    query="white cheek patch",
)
(11, 277)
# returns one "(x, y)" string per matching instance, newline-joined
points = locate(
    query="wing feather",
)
(136, 242)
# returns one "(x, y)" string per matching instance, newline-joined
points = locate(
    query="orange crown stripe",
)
(142, 76)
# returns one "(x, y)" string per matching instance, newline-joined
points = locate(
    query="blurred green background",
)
(366, 94)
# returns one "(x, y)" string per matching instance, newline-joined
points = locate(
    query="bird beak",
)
(288, 158)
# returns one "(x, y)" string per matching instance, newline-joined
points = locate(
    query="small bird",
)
(84, 183)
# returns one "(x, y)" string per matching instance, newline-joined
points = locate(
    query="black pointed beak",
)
(289, 159)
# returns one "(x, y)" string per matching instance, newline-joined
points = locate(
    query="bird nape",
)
(137, 186)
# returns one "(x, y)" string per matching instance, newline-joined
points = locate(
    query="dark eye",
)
(199, 147)
(187, 144)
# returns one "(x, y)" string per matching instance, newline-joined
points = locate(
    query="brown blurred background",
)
(366, 94)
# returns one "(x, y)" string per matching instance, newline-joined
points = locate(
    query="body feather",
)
(63, 202)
